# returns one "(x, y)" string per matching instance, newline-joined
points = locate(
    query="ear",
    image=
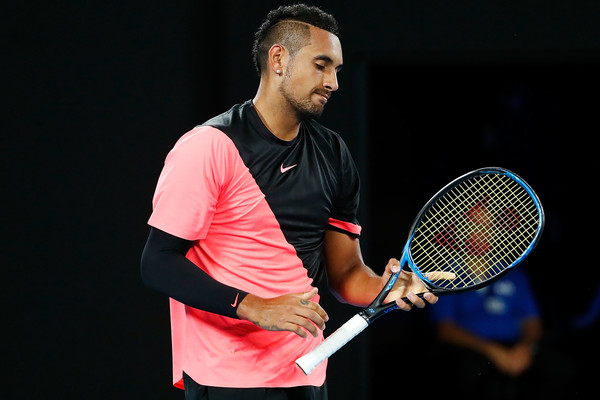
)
(276, 59)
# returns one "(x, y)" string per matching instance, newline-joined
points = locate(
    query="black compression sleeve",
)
(165, 268)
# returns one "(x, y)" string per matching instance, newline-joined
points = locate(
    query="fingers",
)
(392, 267)
(310, 294)
(440, 275)
(293, 312)
(430, 297)
(300, 326)
(306, 318)
(415, 300)
(304, 324)
(420, 300)
(310, 318)
(314, 306)
(408, 285)
(403, 305)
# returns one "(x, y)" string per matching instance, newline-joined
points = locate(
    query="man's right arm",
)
(165, 268)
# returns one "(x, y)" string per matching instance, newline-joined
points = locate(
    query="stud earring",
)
(278, 72)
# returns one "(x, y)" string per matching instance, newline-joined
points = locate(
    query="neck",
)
(276, 114)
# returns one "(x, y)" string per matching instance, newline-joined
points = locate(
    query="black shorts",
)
(195, 391)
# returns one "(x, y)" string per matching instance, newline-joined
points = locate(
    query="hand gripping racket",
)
(469, 234)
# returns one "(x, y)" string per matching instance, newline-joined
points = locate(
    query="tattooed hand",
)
(291, 312)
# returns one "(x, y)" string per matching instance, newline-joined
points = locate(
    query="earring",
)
(278, 72)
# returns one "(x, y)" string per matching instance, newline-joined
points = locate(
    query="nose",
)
(330, 81)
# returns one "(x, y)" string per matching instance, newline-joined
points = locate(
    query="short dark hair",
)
(281, 26)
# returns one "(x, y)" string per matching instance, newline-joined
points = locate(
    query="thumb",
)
(392, 267)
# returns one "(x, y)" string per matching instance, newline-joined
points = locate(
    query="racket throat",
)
(376, 310)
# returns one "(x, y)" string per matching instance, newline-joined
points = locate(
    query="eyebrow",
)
(328, 60)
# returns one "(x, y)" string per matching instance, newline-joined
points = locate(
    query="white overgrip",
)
(333, 343)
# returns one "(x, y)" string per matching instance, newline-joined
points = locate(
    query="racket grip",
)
(333, 343)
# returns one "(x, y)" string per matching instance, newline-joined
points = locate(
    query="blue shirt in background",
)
(494, 312)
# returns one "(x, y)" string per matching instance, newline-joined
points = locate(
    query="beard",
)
(303, 107)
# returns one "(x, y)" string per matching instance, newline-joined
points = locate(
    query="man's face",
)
(311, 75)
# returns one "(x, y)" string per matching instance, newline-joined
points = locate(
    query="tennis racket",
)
(469, 234)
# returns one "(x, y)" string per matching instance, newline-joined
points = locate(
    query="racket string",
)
(476, 230)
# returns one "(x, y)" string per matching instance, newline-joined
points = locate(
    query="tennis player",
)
(252, 210)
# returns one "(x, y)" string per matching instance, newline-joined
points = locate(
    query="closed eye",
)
(322, 61)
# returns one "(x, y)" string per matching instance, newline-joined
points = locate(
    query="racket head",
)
(475, 229)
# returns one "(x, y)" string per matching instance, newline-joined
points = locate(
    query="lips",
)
(323, 95)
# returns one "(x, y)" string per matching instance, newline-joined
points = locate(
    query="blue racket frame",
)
(377, 309)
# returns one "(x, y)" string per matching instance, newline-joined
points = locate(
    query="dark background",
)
(94, 94)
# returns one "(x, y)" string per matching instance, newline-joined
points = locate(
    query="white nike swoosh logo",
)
(285, 169)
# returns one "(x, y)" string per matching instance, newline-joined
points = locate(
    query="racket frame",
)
(376, 309)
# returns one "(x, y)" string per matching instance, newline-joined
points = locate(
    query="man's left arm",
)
(353, 282)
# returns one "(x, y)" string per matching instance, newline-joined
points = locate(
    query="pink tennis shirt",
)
(256, 208)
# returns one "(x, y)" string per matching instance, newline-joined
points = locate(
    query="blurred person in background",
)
(492, 342)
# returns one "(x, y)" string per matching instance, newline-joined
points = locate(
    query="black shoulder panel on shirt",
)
(306, 180)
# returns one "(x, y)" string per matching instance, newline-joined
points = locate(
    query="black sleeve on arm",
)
(165, 268)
